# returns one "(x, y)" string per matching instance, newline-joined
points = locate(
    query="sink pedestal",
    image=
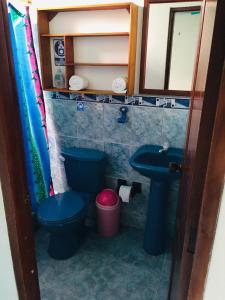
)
(155, 230)
(162, 167)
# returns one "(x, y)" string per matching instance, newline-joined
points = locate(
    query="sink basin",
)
(149, 162)
(162, 168)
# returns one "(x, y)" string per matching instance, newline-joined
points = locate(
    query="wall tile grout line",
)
(97, 127)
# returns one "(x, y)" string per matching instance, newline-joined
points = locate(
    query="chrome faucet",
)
(164, 148)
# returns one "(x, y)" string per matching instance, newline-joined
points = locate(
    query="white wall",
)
(183, 52)
(8, 290)
(215, 283)
(95, 49)
(55, 3)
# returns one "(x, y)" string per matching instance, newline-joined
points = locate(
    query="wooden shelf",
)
(88, 34)
(47, 14)
(98, 92)
(124, 5)
(97, 64)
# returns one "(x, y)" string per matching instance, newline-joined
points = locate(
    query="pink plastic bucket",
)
(108, 218)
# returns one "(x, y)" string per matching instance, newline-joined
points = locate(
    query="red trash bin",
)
(108, 213)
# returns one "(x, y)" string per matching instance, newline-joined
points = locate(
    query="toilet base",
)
(63, 246)
(65, 240)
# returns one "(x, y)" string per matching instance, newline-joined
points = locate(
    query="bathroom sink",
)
(150, 162)
(162, 165)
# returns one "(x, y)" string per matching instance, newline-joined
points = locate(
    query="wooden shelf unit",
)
(98, 64)
(88, 34)
(109, 6)
(46, 15)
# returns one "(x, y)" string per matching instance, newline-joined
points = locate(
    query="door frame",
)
(15, 188)
(197, 226)
(211, 200)
(13, 173)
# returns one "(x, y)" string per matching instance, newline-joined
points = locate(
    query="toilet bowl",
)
(63, 215)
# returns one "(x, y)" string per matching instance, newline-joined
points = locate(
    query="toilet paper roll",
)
(78, 83)
(125, 193)
(119, 85)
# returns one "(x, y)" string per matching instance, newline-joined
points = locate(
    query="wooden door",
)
(13, 174)
(204, 103)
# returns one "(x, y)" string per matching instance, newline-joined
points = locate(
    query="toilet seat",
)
(62, 208)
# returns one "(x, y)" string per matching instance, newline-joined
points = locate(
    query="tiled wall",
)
(91, 121)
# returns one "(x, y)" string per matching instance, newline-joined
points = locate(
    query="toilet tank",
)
(85, 169)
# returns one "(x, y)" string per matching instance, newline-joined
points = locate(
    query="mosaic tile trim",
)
(152, 101)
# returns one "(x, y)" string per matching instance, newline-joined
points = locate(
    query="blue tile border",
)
(152, 101)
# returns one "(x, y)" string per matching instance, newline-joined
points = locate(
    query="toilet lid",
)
(61, 207)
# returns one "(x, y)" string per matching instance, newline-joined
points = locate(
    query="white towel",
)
(78, 83)
(119, 85)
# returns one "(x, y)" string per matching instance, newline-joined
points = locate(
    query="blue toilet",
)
(63, 215)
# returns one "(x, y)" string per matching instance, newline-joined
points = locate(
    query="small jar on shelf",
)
(59, 79)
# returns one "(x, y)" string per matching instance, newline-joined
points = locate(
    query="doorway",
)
(16, 195)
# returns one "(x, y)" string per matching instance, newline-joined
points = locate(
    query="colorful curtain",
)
(32, 107)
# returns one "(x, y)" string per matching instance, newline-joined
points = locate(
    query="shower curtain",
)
(32, 107)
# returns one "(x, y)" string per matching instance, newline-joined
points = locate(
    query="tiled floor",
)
(104, 269)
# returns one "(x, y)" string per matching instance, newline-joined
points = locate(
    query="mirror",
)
(169, 46)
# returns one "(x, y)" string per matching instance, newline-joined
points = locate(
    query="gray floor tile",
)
(104, 269)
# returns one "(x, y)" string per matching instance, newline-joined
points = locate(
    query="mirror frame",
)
(142, 89)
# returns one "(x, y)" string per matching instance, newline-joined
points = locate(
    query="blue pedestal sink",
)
(162, 166)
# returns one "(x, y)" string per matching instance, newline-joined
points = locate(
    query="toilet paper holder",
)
(135, 187)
